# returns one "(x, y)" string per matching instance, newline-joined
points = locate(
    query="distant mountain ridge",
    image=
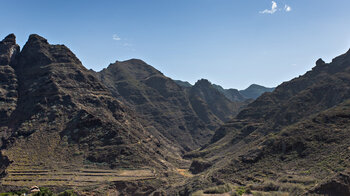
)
(252, 92)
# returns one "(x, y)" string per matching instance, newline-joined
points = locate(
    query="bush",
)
(44, 192)
(241, 190)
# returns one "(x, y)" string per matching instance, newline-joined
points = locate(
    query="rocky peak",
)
(8, 50)
(202, 83)
(34, 38)
(11, 38)
(37, 51)
(320, 62)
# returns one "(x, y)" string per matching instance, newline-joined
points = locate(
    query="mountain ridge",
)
(298, 127)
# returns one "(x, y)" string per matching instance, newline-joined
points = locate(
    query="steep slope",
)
(65, 119)
(162, 103)
(289, 139)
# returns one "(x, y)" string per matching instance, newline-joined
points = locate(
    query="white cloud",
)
(287, 8)
(116, 37)
(272, 10)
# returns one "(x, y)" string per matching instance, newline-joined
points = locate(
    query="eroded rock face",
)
(8, 50)
(8, 82)
(8, 91)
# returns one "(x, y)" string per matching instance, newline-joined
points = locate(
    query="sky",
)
(233, 43)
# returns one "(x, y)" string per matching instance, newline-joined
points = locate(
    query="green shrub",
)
(241, 190)
(44, 192)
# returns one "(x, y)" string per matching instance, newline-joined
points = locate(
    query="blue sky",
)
(233, 43)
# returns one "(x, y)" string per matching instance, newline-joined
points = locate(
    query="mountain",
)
(57, 119)
(207, 101)
(248, 94)
(254, 91)
(185, 116)
(294, 139)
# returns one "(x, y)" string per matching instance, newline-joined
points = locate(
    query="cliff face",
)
(8, 79)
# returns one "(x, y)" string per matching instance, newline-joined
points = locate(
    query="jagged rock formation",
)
(288, 139)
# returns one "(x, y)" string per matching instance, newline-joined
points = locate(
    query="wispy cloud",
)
(116, 37)
(287, 8)
(272, 10)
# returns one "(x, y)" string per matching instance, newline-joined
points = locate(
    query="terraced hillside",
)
(36, 176)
